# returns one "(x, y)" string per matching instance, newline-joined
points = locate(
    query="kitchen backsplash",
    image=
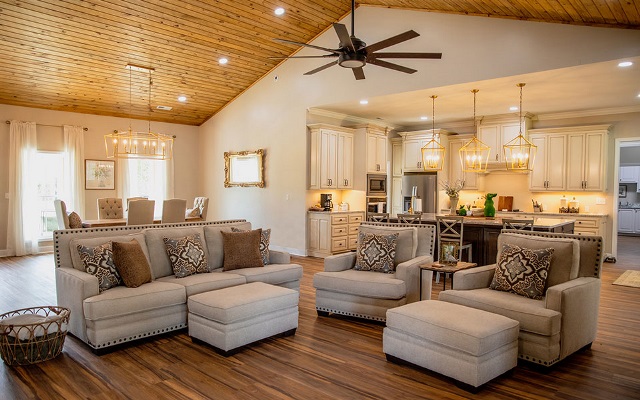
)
(632, 197)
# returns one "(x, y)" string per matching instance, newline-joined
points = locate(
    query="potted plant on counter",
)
(453, 191)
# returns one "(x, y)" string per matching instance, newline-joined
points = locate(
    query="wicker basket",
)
(32, 335)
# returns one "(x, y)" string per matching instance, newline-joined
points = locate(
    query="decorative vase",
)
(489, 209)
(453, 205)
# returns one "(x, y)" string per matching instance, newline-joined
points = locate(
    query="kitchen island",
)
(483, 233)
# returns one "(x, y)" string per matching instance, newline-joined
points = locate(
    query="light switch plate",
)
(601, 200)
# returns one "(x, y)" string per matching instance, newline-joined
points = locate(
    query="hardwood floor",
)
(333, 357)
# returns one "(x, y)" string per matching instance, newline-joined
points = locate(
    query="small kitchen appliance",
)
(326, 201)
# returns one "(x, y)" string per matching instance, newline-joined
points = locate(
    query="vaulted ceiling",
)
(70, 55)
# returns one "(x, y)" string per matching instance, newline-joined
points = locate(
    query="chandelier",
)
(519, 153)
(474, 155)
(139, 144)
(433, 151)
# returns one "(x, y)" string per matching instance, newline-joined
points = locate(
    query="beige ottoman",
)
(466, 344)
(232, 317)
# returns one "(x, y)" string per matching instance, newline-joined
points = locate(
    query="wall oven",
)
(376, 185)
(376, 205)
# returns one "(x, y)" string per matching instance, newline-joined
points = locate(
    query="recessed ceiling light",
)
(625, 64)
(182, 98)
(513, 108)
(279, 11)
(223, 60)
(424, 118)
(363, 102)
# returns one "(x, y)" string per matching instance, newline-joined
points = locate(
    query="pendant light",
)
(433, 151)
(474, 155)
(140, 145)
(519, 153)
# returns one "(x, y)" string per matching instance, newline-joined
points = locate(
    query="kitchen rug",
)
(629, 278)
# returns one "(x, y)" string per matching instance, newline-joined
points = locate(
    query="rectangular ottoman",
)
(232, 317)
(463, 343)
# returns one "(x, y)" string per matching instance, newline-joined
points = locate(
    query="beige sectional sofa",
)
(122, 314)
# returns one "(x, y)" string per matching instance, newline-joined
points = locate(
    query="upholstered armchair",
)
(202, 205)
(110, 208)
(61, 214)
(565, 319)
(341, 289)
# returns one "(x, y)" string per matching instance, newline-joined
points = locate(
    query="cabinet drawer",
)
(354, 229)
(353, 218)
(586, 231)
(340, 230)
(591, 223)
(339, 219)
(339, 244)
(353, 242)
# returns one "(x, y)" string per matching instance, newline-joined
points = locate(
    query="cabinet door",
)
(627, 220)
(396, 160)
(345, 161)
(556, 162)
(319, 234)
(508, 132)
(538, 176)
(637, 224)
(381, 153)
(328, 159)
(412, 155)
(575, 161)
(396, 196)
(628, 175)
(490, 135)
(372, 161)
(594, 166)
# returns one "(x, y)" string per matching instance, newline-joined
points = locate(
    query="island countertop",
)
(541, 223)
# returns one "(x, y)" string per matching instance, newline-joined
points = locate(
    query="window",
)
(50, 184)
(148, 178)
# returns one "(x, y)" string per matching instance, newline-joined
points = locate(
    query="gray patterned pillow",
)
(186, 255)
(376, 252)
(522, 271)
(75, 221)
(264, 243)
(98, 261)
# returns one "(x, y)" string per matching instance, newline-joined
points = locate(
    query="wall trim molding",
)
(588, 113)
(290, 250)
(350, 118)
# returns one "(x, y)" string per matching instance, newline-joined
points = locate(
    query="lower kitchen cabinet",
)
(629, 220)
(332, 232)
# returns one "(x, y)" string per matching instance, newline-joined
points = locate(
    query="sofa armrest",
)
(279, 257)
(409, 272)
(578, 301)
(474, 278)
(72, 288)
(340, 262)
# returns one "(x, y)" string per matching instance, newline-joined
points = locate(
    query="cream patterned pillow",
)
(522, 271)
(98, 261)
(186, 255)
(376, 252)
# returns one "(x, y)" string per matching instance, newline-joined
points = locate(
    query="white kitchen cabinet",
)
(412, 144)
(396, 157)
(470, 179)
(331, 157)
(376, 153)
(332, 232)
(345, 161)
(628, 221)
(636, 225)
(550, 163)
(586, 167)
(499, 132)
(397, 201)
(629, 174)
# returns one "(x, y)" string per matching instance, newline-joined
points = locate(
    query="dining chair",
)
(378, 217)
(409, 218)
(202, 203)
(141, 212)
(517, 224)
(110, 208)
(130, 199)
(173, 210)
(61, 214)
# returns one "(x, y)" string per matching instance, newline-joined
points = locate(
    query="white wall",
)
(271, 114)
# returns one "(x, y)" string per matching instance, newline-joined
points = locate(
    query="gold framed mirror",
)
(244, 168)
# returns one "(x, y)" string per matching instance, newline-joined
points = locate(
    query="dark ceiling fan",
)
(354, 53)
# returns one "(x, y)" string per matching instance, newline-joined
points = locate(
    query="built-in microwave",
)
(376, 185)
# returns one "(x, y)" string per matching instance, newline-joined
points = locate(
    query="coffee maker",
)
(325, 201)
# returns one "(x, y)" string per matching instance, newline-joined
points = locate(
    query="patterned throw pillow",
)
(264, 243)
(98, 261)
(75, 221)
(376, 252)
(522, 271)
(187, 255)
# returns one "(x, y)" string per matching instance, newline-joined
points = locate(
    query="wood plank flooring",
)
(336, 358)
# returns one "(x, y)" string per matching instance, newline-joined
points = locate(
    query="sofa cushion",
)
(407, 243)
(376, 252)
(274, 274)
(532, 314)
(131, 263)
(159, 260)
(98, 261)
(95, 241)
(187, 255)
(522, 271)
(213, 238)
(265, 237)
(241, 249)
(361, 283)
(565, 262)
(199, 283)
(122, 300)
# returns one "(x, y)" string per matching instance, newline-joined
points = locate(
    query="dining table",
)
(101, 223)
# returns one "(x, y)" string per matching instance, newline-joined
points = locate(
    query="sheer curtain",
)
(148, 178)
(74, 168)
(22, 229)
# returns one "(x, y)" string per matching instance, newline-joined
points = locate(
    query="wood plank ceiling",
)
(69, 55)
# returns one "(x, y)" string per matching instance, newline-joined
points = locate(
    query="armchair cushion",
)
(361, 283)
(522, 271)
(406, 245)
(376, 252)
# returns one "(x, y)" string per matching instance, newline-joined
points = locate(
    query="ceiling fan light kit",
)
(433, 152)
(520, 153)
(474, 155)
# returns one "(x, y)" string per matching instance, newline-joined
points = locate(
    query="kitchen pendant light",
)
(474, 155)
(433, 151)
(519, 153)
(132, 144)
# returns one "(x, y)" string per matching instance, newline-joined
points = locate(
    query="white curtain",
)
(74, 168)
(123, 190)
(148, 178)
(23, 224)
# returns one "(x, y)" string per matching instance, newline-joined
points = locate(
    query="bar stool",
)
(518, 224)
(378, 217)
(451, 229)
(409, 218)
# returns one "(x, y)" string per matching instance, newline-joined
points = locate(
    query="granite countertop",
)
(497, 221)
(629, 207)
(549, 214)
(334, 211)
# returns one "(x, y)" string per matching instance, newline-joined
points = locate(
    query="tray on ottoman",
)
(232, 317)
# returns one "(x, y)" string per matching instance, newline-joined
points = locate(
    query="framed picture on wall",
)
(622, 191)
(99, 175)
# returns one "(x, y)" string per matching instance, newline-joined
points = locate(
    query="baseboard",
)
(290, 250)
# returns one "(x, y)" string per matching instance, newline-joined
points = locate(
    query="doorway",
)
(626, 220)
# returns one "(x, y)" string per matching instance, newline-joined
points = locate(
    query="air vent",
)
(164, 108)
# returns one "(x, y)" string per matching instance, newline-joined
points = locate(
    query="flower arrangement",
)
(452, 189)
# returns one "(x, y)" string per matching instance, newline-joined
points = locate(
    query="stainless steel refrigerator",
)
(426, 191)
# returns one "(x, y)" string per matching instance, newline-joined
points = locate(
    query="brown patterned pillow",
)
(522, 271)
(376, 252)
(241, 249)
(98, 261)
(186, 255)
(75, 221)
(131, 263)
(264, 243)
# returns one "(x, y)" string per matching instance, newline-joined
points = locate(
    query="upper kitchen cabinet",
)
(396, 157)
(497, 131)
(629, 174)
(550, 163)
(586, 152)
(469, 179)
(412, 143)
(376, 148)
(331, 157)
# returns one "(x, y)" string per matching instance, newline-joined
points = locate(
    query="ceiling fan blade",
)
(286, 58)
(313, 71)
(358, 73)
(306, 45)
(406, 55)
(343, 35)
(387, 64)
(391, 41)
